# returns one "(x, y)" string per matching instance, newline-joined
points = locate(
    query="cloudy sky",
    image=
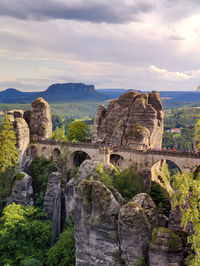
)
(131, 44)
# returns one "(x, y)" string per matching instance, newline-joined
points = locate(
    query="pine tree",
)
(8, 149)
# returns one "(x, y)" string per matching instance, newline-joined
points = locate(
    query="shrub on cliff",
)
(128, 183)
(40, 170)
(161, 198)
(63, 252)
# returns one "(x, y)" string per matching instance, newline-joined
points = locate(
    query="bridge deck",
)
(115, 149)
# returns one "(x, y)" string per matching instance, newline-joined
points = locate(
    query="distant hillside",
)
(66, 92)
(170, 99)
(113, 93)
(79, 92)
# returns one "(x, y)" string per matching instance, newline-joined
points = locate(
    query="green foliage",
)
(6, 182)
(185, 119)
(63, 252)
(77, 131)
(188, 199)
(128, 183)
(180, 142)
(106, 176)
(8, 149)
(174, 241)
(19, 176)
(59, 134)
(197, 131)
(141, 261)
(24, 234)
(57, 121)
(32, 262)
(40, 170)
(161, 198)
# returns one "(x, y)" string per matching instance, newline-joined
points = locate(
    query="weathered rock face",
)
(136, 222)
(96, 215)
(22, 134)
(36, 122)
(22, 190)
(39, 119)
(52, 203)
(145, 174)
(86, 170)
(133, 119)
(69, 194)
(165, 248)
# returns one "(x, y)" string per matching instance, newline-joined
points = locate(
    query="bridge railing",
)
(114, 149)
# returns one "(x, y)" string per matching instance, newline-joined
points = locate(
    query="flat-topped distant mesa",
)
(134, 120)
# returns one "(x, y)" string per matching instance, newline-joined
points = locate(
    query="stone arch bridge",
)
(123, 156)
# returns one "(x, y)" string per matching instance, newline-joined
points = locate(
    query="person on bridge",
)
(173, 149)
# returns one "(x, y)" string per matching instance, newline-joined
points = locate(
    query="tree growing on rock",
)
(77, 131)
(59, 134)
(188, 199)
(8, 149)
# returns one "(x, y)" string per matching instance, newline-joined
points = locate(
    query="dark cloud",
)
(113, 11)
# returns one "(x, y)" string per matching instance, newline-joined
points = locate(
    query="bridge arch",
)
(77, 157)
(56, 154)
(44, 152)
(33, 151)
(117, 160)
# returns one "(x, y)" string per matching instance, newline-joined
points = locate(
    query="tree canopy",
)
(8, 149)
(24, 234)
(77, 131)
(59, 134)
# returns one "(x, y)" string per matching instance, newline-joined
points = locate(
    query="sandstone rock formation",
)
(33, 123)
(165, 248)
(22, 190)
(22, 134)
(69, 194)
(145, 175)
(136, 222)
(134, 120)
(39, 119)
(52, 203)
(86, 170)
(96, 215)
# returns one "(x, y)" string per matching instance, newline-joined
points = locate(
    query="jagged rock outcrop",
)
(145, 175)
(36, 122)
(95, 220)
(134, 120)
(22, 134)
(86, 170)
(165, 248)
(22, 190)
(69, 194)
(52, 203)
(136, 222)
(39, 119)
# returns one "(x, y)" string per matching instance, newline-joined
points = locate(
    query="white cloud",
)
(174, 76)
